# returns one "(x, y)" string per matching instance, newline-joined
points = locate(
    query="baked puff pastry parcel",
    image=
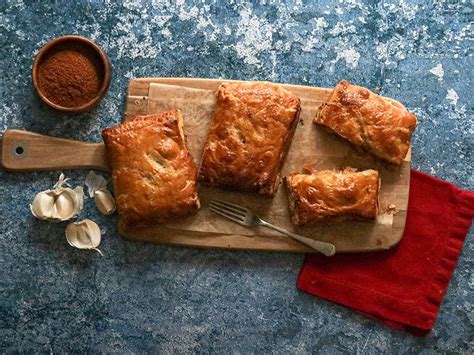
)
(249, 135)
(379, 125)
(332, 195)
(154, 176)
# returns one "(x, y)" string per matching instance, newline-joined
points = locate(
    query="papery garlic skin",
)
(97, 188)
(104, 201)
(59, 204)
(95, 182)
(84, 235)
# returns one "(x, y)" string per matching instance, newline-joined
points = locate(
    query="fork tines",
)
(229, 210)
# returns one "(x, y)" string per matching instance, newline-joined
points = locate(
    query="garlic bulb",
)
(60, 204)
(84, 235)
(97, 188)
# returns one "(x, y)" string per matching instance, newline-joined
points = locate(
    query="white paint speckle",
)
(203, 23)
(131, 4)
(320, 23)
(257, 37)
(130, 75)
(351, 56)
(408, 11)
(381, 51)
(129, 45)
(21, 35)
(342, 28)
(309, 42)
(227, 31)
(9, 117)
(273, 76)
(465, 31)
(161, 19)
(166, 33)
(186, 14)
(390, 7)
(438, 71)
(452, 97)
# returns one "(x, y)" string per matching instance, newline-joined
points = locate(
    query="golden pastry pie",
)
(154, 176)
(249, 135)
(327, 194)
(379, 125)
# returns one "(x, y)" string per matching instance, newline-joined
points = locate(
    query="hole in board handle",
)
(19, 150)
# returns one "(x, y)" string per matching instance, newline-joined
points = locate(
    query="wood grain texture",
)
(378, 238)
(24, 151)
(42, 152)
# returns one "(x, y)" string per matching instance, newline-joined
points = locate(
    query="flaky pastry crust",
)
(249, 135)
(326, 194)
(154, 176)
(376, 124)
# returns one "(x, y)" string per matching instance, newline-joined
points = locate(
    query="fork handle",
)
(324, 248)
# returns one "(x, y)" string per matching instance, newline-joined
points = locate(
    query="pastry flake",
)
(249, 135)
(379, 125)
(153, 174)
(328, 194)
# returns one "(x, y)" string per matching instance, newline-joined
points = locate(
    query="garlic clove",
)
(84, 235)
(104, 201)
(64, 206)
(79, 196)
(42, 204)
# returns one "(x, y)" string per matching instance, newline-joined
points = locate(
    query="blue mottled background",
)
(145, 298)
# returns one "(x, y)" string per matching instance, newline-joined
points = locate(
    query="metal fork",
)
(247, 217)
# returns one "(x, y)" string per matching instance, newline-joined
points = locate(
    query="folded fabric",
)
(402, 287)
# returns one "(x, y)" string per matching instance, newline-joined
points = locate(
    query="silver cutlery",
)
(248, 218)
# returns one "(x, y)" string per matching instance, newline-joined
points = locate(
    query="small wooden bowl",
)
(83, 42)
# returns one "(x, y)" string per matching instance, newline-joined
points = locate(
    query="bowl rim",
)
(53, 43)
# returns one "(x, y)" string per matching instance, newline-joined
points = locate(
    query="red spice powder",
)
(71, 74)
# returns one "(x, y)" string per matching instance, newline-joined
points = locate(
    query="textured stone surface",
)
(142, 297)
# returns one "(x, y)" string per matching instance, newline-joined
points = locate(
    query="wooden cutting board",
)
(23, 150)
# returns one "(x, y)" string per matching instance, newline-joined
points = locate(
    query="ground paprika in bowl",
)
(71, 73)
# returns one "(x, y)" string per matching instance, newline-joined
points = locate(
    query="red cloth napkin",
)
(402, 287)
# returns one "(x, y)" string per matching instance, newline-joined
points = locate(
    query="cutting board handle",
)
(26, 151)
